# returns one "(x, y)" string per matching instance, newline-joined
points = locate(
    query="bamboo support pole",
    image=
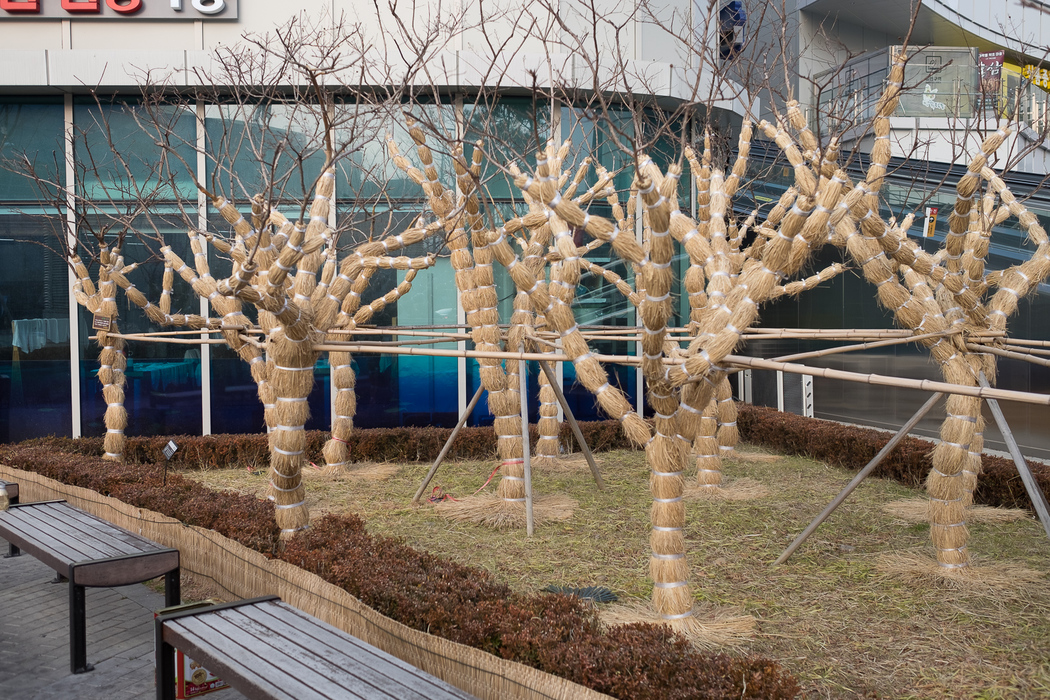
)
(882, 380)
(1039, 502)
(1023, 357)
(553, 379)
(860, 346)
(448, 445)
(523, 392)
(861, 476)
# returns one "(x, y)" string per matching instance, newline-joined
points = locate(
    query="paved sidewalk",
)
(34, 638)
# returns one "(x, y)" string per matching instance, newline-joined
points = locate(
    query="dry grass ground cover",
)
(832, 615)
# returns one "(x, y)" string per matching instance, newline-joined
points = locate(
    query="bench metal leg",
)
(12, 550)
(78, 630)
(172, 588)
(165, 654)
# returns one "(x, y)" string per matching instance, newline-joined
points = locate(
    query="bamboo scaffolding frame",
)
(861, 476)
(448, 445)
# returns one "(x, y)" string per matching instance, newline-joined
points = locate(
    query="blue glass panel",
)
(34, 331)
(163, 392)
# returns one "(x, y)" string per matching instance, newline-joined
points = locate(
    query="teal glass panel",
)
(273, 150)
(118, 159)
(31, 140)
(368, 178)
(512, 130)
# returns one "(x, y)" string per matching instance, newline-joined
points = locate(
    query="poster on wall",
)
(991, 67)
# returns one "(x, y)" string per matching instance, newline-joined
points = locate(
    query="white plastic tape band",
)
(285, 400)
(275, 487)
(118, 455)
(689, 408)
(295, 529)
(294, 369)
(656, 473)
(679, 616)
(115, 431)
(294, 505)
(658, 528)
(513, 478)
(114, 405)
(677, 499)
(289, 427)
(513, 500)
(667, 557)
(287, 453)
(674, 584)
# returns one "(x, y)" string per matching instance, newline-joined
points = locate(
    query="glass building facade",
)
(48, 362)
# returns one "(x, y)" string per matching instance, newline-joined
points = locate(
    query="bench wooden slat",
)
(330, 673)
(76, 535)
(107, 539)
(39, 542)
(267, 649)
(230, 660)
(280, 659)
(371, 664)
(122, 541)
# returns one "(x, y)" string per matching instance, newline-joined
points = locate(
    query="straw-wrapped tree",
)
(950, 299)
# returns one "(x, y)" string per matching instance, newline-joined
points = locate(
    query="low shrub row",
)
(847, 446)
(367, 445)
(554, 633)
(852, 447)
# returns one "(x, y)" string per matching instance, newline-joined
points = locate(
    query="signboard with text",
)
(119, 9)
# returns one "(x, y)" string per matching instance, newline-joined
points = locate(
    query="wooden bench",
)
(267, 649)
(11, 489)
(89, 551)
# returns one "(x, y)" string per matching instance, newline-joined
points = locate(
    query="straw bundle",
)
(917, 510)
(708, 454)
(705, 627)
(494, 510)
(728, 434)
(548, 446)
(336, 450)
(1003, 580)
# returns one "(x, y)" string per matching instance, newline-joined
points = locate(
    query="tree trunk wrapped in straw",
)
(112, 363)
